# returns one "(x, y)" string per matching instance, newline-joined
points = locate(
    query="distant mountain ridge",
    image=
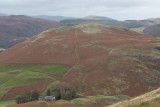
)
(17, 28)
(147, 26)
(153, 30)
(2, 14)
(92, 17)
(53, 18)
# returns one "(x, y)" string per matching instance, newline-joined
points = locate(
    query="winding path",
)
(76, 54)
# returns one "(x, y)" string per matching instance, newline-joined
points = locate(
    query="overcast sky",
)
(117, 9)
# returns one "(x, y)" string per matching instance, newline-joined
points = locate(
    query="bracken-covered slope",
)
(15, 29)
(59, 45)
(100, 60)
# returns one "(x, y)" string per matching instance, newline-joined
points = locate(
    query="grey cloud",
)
(118, 9)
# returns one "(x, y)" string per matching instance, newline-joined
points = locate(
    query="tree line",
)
(59, 93)
(62, 93)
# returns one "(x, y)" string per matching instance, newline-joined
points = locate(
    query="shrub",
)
(48, 92)
(65, 93)
(29, 97)
(57, 93)
(68, 94)
(34, 95)
(23, 99)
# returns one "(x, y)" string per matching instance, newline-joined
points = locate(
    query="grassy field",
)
(7, 103)
(14, 75)
(55, 69)
(139, 29)
(38, 103)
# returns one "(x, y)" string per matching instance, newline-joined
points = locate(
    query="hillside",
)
(153, 30)
(15, 29)
(93, 59)
(150, 99)
(155, 20)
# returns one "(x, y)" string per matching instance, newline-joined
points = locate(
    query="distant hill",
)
(97, 18)
(64, 18)
(53, 18)
(23, 25)
(107, 21)
(1, 14)
(153, 30)
(150, 27)
(155, 20)
(72, 22)
(17, 28)
(89, 19)
(147, 26)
